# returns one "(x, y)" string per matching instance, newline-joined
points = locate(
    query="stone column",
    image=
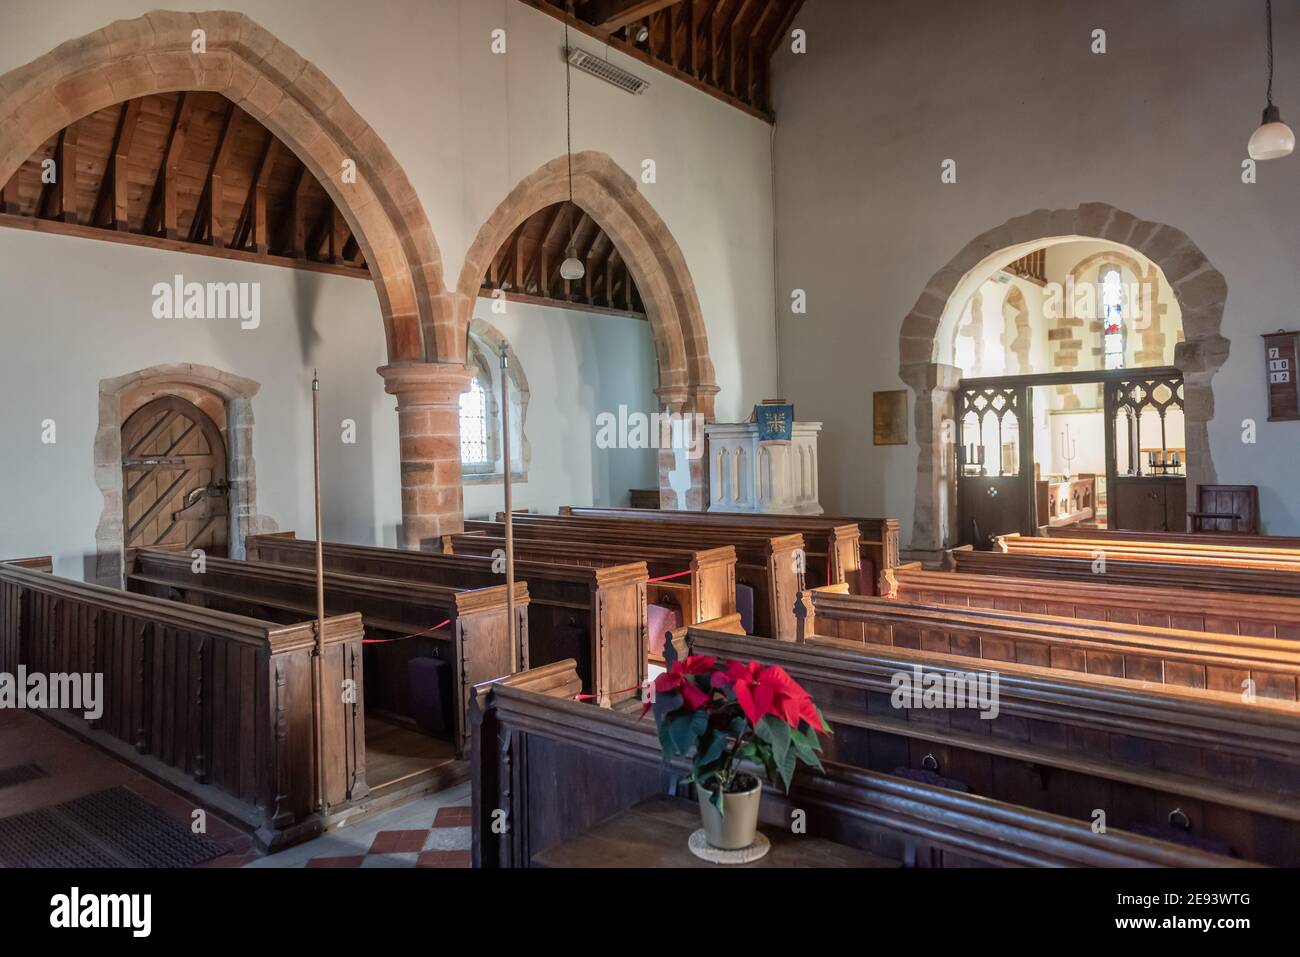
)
(684, 472)
(934, 385)
(428, 416)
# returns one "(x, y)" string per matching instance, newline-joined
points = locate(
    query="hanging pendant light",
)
(572, 268)
(1274, 138)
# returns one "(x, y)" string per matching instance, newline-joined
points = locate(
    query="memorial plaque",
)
(1280, 369)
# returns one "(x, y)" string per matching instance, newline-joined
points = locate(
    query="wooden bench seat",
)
(1127, 570)
(1098, 600)
(878, 537)
(550, 743)
(594, 614)
(474, 641)
(771, 564)
(1067, 744)
(1139, 654)
(1174, 553)
(218, 705)
(701, 582)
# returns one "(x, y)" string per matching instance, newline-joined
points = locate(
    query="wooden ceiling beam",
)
(64, 196)
(611, 15)
(207, 218)
(161, 217)
(792, 8)
(9, 194)
(111, 202)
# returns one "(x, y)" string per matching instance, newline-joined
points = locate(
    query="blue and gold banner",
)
(775, 422)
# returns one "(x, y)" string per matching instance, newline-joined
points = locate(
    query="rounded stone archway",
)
(240, 60)
(1200, 289)
(611, 197)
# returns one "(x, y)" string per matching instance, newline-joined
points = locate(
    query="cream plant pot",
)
(735, 829)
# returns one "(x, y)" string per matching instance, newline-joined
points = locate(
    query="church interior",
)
(485, 434)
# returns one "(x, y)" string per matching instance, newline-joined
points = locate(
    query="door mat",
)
(112, 828)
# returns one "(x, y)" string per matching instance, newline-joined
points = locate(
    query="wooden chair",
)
(1231, 509)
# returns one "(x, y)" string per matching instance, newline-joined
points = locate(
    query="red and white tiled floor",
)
(433, 831)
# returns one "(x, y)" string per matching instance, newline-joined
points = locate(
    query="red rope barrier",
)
(384, 641)
(591, 697)
(664, 578)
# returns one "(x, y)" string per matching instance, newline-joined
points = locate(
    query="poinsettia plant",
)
(720, 713)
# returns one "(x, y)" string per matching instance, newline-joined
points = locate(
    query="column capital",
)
(689, 398)
(426, 383)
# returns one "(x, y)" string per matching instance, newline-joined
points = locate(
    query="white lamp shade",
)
(1273, 139)
(572, 268)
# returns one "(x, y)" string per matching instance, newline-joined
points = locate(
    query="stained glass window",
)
(473, 425)
(1112, 317)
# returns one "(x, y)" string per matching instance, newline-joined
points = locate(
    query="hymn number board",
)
(1283, 392)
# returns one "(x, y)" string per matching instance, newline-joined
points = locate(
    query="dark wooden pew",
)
(878, 541)
(594, 614)
(40, 563)
(772, 565)
(1120, 569)
(1066, 744)
(701, 582)
(833, 547)
(1136, 653)
(1263, 616)
(218, 705)
(470, 633)
(550, 743)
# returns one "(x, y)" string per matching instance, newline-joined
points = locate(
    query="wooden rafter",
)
(611, 15)
(110, 208)
(162, 216)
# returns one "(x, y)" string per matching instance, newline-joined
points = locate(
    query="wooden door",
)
(174, 478)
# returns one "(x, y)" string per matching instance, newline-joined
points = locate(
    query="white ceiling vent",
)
(603, 69)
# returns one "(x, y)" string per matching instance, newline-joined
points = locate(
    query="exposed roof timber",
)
(527, 266)
(189, 170)
(721, 47)
(611, 15)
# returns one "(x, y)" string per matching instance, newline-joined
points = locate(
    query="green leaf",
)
(785, 768)
(777, 733)
(711, 749)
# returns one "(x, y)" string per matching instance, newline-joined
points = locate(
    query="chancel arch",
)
(929, 342)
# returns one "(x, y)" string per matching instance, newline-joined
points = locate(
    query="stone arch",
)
(288, 95)
(226, 399)
(1200, 289)
(610, 196)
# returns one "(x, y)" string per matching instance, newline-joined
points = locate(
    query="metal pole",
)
(318, 678)
(509, 494)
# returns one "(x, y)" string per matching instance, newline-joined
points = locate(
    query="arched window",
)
(1112, 316)
(481, 457)
(475, 454)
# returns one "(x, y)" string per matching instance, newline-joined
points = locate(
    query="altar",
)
(756, 467)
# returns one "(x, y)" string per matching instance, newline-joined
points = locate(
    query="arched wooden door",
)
(174, 478)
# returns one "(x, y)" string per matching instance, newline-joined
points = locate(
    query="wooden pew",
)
(1138, 654)
(1062, 743)
(596, 615)
(1262, 616)
(474, 638)
(833, 548)
(878, 537)
(770, 564)
(1174, 553)
(41, 563)
(1126, 570)
(551, 743)
(1217, 539)
(218, 705)
(701, 582)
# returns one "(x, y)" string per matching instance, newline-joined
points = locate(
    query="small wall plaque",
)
(889, 417)
(1280, 352)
